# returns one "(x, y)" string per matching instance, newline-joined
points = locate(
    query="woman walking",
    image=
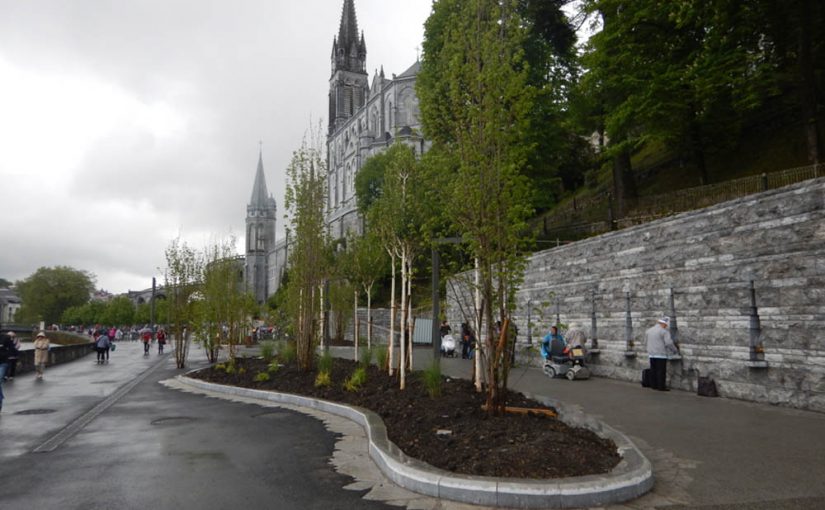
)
(102, 346)
(41, 353)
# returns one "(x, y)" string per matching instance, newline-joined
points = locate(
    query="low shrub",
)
(381, 356)
(268, 350)
(230, 367)
(288, 353)
(273, 367)
(432, 379)
(323, 380)
(356, 380)
(325, 362)
(364, 357)
(262, 377)
(220, 366)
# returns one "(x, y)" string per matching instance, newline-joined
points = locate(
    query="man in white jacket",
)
(659, 347)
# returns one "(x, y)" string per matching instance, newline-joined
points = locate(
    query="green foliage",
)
(230, 368)
(182, 280)
(220, 366)
(381, 356)
(325, 362)
(356, 380)
(273, 367)
(50, 291)
(268, 350)
(365, 357)
(323, 380)
(119, 311)
(262, 377)
(306, 200)
(223, 304)
(431, 377)
(288, 353)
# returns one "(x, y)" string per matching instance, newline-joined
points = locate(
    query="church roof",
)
(411, 71)
(260, 197)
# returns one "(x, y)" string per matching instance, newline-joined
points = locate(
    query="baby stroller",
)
(565, 362)
(448, 346)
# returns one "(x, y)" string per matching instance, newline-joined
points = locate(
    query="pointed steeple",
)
(348, 32)
(259, 192)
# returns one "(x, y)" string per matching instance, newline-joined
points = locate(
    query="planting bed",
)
(450, 431)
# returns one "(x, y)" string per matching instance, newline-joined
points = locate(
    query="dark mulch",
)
(516, 446)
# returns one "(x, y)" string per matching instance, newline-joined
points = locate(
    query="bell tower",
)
(261, 215)
(349, 81)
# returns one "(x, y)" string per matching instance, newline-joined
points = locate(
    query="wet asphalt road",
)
(157, 448)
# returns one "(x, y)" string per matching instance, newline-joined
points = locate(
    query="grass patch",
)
(432, 379)
(268, 350)
(356, 380)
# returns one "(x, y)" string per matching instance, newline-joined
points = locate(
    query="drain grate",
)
(35, 411)
(172, 420)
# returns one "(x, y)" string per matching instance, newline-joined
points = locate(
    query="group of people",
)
(660, 348)
(9, 356)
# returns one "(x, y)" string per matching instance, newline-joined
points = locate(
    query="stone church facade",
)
(365, 118)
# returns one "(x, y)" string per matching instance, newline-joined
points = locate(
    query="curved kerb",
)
(631, 478)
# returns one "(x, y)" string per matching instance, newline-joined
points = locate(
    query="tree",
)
(224, 306)
(48, 292)
(396, 218)
(182, 282)
(368, 264)
(119, 311)
(305, 203)
(5, 284)
(475, 51)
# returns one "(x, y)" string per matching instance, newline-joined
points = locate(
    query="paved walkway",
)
(158, 448)
(706, 452)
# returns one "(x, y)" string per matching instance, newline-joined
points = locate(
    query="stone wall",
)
(707, 257)
(57, 354)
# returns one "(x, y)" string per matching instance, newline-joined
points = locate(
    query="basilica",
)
(366, 116)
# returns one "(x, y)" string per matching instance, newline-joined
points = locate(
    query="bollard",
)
(757, 351)
(593, 331)
(529, 323)
(628, 328)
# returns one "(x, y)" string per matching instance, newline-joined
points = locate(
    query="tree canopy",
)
(47, 293)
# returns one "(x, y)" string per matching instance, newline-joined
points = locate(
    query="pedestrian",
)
(13, 357)
(41, 354)
(659, 347)
(161, 340)
(445, 328)
(146, 337)
(6, 350)
(102, 345)
(553, 345)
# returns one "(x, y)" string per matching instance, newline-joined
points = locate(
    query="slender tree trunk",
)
(369, 316)
(807, 84)
(391, 343)
(403, 350)
(698, 149)
(410, 318)
(478, 322)
(624, 184)
(355, 329)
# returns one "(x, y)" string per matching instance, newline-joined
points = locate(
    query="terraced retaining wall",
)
(708, 257)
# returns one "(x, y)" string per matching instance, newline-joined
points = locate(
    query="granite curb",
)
(630, 479)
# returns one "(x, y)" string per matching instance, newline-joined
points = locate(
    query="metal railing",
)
(594, 216)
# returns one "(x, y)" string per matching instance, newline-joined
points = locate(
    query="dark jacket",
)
(7, 349)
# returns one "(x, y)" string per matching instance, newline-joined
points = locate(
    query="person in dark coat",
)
(7, 350)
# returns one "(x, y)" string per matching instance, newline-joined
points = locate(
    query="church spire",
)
(348, 32)
(259, 192)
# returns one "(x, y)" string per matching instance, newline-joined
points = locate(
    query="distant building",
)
(9, 305)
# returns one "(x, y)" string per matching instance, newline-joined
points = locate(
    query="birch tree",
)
(182, 281)
(474, 50)
(305, 203)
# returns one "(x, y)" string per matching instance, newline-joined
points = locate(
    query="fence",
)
(594, 215)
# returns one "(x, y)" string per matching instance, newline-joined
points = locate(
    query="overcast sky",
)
(124, 123)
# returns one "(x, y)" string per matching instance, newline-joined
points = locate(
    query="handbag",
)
(113, 347)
